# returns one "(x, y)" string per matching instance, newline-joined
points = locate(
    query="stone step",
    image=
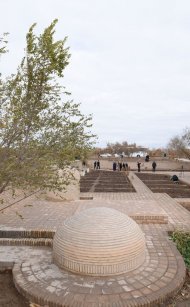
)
(150, 219)
(26, 241)
(99, 189)
(104, 181)
(113, 190)
(113, 187)
(110, 184)
(101, 178)
(36, 233)
(170, 188)
(85, 190)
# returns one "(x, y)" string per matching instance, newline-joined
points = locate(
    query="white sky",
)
(130, 63)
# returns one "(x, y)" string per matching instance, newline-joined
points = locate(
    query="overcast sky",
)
(129, 66)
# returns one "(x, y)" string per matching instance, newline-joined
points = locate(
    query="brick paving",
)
(37, 278)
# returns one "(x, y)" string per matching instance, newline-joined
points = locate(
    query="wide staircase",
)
(161, 183)
(105, 181)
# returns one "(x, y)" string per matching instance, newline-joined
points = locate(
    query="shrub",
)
(182, 241)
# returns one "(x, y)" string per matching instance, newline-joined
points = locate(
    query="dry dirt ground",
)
(9, 296)
(182, 299)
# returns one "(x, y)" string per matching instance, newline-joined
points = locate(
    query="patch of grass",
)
(182, 241)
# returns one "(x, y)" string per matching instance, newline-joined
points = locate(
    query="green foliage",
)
(182, 240)
(40, 134)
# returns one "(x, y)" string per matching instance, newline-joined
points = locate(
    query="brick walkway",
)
(42, 282)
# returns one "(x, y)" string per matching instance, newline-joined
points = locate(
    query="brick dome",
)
(99, 242)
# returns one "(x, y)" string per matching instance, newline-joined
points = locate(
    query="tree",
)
(40, 135)
(180, 144)
(3, 43)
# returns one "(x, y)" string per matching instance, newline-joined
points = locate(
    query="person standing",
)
(94, 164)
(114, 166)
(139, 166)
(120, 166)
(154, 166)
(98, 164)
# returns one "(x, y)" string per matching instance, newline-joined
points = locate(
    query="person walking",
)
(154, 166)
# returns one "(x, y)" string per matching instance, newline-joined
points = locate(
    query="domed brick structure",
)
(99, 242)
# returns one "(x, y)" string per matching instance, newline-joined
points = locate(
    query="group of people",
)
(123, 166)
(120, 166)
(97, 164)
(154, 165)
